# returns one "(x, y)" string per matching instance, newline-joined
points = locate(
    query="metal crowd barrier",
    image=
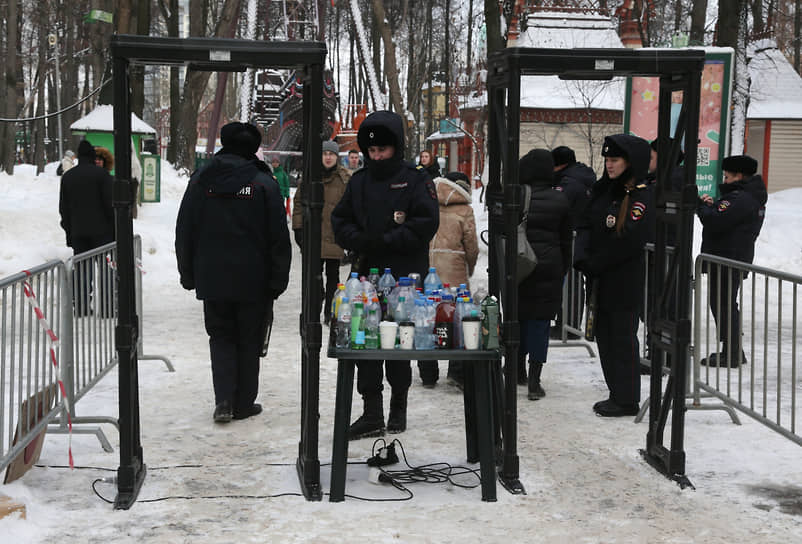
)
(571, 322)
(30, 330)
(766, 386)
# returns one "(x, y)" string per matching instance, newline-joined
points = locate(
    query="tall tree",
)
(7, 130)
(732, 32)
(698, 16)
(390, 63)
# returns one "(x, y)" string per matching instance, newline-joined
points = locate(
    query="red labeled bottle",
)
(444, 323)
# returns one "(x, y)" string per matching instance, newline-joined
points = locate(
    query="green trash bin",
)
(150, 187)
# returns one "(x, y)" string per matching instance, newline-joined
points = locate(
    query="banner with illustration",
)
(640, 115)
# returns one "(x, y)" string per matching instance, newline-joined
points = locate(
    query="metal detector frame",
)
(219, 55)
(678, 70)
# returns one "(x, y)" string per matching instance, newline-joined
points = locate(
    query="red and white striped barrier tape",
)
(137, 263)
(52, 339)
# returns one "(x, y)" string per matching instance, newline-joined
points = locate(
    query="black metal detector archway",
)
(219, 55)
(668, 322)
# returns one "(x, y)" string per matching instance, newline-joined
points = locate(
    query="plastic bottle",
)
(336, 300)
(444, 323)
(373, 278)
(423, 333)
(490, 322)
(431, 281)
(367, 289)
(400, 313)
(459, 313)
(358, 326)
(384, 288)
(352, 286)
(343, 338)
(372, 327)
(431, 314)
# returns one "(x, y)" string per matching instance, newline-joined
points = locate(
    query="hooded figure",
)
(233, 248)
(548, 230)
(387, 217)
(610, 242)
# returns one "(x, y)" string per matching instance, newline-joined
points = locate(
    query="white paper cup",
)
(406, 335)
(471, 333)
(387, 331)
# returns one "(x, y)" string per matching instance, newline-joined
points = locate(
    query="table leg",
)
(342, 416)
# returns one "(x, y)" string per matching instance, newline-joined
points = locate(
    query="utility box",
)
(150, 186)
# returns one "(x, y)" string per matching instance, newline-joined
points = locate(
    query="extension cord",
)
(386, 456)
(377, 476)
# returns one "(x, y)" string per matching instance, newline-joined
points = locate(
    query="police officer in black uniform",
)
(609, 250)
(233, 247)
(387, 216)
(730, 227)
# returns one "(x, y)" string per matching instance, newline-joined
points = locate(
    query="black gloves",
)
(299, 237)
(187, 283)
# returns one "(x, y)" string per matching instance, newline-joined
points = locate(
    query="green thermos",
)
(490, 322)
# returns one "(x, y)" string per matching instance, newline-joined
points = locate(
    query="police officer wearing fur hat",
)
(610, 252)
(730, 227)
(233, 248)
(387, 216)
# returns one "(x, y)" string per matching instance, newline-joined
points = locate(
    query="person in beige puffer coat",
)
(453, 251)
(335, 178)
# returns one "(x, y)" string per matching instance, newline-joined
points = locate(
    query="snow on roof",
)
(101, 119)
(776, 89)
(570, 31)
(445, 136)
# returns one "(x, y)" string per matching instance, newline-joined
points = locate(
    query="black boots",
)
(371, 422)
(726, 358)
(535, 390)
(522, 369)
(397, 419)
(223, 412)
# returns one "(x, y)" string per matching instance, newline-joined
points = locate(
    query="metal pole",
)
(52, 39)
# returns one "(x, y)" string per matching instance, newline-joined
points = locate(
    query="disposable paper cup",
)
(471, 330)
(387, 331)
(406, 334)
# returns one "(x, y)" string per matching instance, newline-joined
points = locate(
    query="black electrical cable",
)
(430, 473)
(59, 112)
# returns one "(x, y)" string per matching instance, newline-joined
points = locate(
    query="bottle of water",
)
(459, 313)
(431, 315)
(400, 313)
(373, 278)
(343, 338)
(463, 291)
(372, 327)
(367, 289)
(358, 326)
(336, 300)
(431, 281)
(352, 286)
(423, 332)
(384, 287)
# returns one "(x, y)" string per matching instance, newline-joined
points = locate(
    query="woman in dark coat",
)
(548, 230)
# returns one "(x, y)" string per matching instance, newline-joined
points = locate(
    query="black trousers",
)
(83, 277)
(235, 341)
(617, 340)
(723, 297)
(331, 267)
(369, 376)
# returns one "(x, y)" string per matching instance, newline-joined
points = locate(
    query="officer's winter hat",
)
(536, 166)
(460, 179)
(379, 136)
(612, 149)
(563, 155)
(743, 164)
(240, 138)
(331, 147)
(85, 149)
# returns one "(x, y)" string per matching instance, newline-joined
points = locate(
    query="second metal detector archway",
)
(669, 319)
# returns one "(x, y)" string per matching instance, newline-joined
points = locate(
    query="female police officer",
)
(610, 251)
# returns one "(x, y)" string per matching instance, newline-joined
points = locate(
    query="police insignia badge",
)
(432, 189)
(610, 221)
(399, 217)
(723, 205)
(637, 211)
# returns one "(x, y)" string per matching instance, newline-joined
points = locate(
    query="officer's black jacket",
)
(388, 222)
(615, 260)
(85, 202)
(231, 236)
(575, 181)
(732, 224)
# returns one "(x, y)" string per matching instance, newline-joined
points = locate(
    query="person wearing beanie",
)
(232, 247)
(387, 216)
(548, 231)
(453, 252)
(574, 179)
(87, 217)
(335, 178)
(609, 250)
(730, 227)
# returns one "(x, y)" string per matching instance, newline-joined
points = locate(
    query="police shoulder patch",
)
(432, 189)
(723, 205)
(637, 211)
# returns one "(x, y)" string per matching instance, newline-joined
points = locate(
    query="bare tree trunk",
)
(7, 142)
(448, 59)
(170, 14)
(698, 14)
(495, 40)
(798, 35)
(678, 15)
(38, 135)
(732, 32)
(391, 67)
(468, 63)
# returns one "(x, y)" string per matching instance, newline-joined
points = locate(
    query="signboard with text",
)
(640, 115)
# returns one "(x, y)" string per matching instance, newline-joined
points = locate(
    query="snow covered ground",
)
(584, 477)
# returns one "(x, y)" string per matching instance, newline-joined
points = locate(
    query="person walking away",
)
(429, 163)
(335, 178)
(548, 231)
(730, 227)
(66, 163)
(609, 250)
(87, 217)
(387, 215)
(283, 181)
(574, 179)
(232, 246)
(453, 252)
